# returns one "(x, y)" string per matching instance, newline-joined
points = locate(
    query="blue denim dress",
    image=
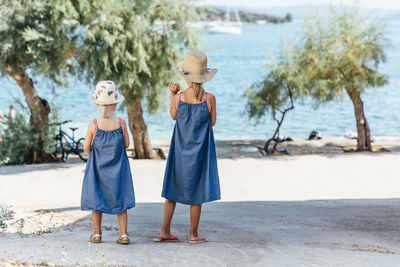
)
(107, 185)
(191, 175)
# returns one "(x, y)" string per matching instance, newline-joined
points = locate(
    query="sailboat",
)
(227, 26)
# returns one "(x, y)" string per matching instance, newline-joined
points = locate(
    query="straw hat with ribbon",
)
(106, 93)
(195, 68)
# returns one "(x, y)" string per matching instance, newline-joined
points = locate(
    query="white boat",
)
(227, 26)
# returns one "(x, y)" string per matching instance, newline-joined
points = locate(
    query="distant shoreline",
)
(250, 148)
(214, 13)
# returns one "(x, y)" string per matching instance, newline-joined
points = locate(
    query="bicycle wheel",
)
(59, 152)
(79, 147)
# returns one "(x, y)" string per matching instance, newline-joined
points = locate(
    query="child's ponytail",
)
(198, 90)
(105, 111)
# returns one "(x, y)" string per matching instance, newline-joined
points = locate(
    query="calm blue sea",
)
(241, 61)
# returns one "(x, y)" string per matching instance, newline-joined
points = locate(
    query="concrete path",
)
(267, 216)
(312, 233)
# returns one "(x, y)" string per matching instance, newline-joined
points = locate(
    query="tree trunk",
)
(141, 140)
(39, 109)
(275, 137)
(363, 131)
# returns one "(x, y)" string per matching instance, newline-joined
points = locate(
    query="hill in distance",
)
(300, 10)
(217, 13)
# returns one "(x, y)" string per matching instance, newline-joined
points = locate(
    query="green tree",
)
(135, 43)
(341, 54)
(35, 40)
(276, 93)
(288, 17)
(19, 144)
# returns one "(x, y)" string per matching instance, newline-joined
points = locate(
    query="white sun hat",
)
(106, 93)
(195, 68)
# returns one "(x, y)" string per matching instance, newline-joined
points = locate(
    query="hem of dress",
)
(191, 203)
(108, 211)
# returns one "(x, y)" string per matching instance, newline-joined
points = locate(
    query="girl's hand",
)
(174, 88)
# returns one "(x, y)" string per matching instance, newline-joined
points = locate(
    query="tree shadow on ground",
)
(249, 231)
(260, 217)
(16, 169)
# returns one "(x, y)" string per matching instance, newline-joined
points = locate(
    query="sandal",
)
(93, 238)
(198, 240)
(172, 238)
(122, 241)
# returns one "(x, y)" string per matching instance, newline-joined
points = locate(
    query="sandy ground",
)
(250, 148)
(311, 210)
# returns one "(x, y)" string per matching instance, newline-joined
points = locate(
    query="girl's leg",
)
(169, 208)
(195, 212)
(96, 219)
(123, 224)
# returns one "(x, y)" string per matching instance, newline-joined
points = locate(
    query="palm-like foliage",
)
(276, 93)
(135, 43)
(132, 42)
(342, 54)
(337, 55)
(36, 38)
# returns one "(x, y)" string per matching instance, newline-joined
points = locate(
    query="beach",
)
(314, 208)
(103, 78)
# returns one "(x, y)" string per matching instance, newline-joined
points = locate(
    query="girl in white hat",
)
(191, 175)
(107, 185)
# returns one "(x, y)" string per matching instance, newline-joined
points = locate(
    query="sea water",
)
(241, 61)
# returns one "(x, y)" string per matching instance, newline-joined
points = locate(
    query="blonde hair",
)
(198, 90)
(106, 111)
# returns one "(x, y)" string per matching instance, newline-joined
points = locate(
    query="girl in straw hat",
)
(191, 175)
(107, 185)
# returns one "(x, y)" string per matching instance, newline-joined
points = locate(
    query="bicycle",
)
(66, 144)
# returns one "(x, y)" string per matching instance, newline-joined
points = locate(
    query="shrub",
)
(20, 144)
(6, 214)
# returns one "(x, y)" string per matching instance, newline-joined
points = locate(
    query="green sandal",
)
(122, 241)
(93, 238)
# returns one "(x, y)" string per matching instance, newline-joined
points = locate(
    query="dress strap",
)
(120, 122)
(208, 101)
(95, 128)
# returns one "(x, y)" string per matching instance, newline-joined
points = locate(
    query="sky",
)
(381, 4)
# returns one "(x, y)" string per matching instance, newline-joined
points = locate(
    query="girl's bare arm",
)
(89, 138)
(213, 113)
(126, 133)
(174, 88)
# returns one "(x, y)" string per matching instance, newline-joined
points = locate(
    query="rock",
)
(314, 135)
